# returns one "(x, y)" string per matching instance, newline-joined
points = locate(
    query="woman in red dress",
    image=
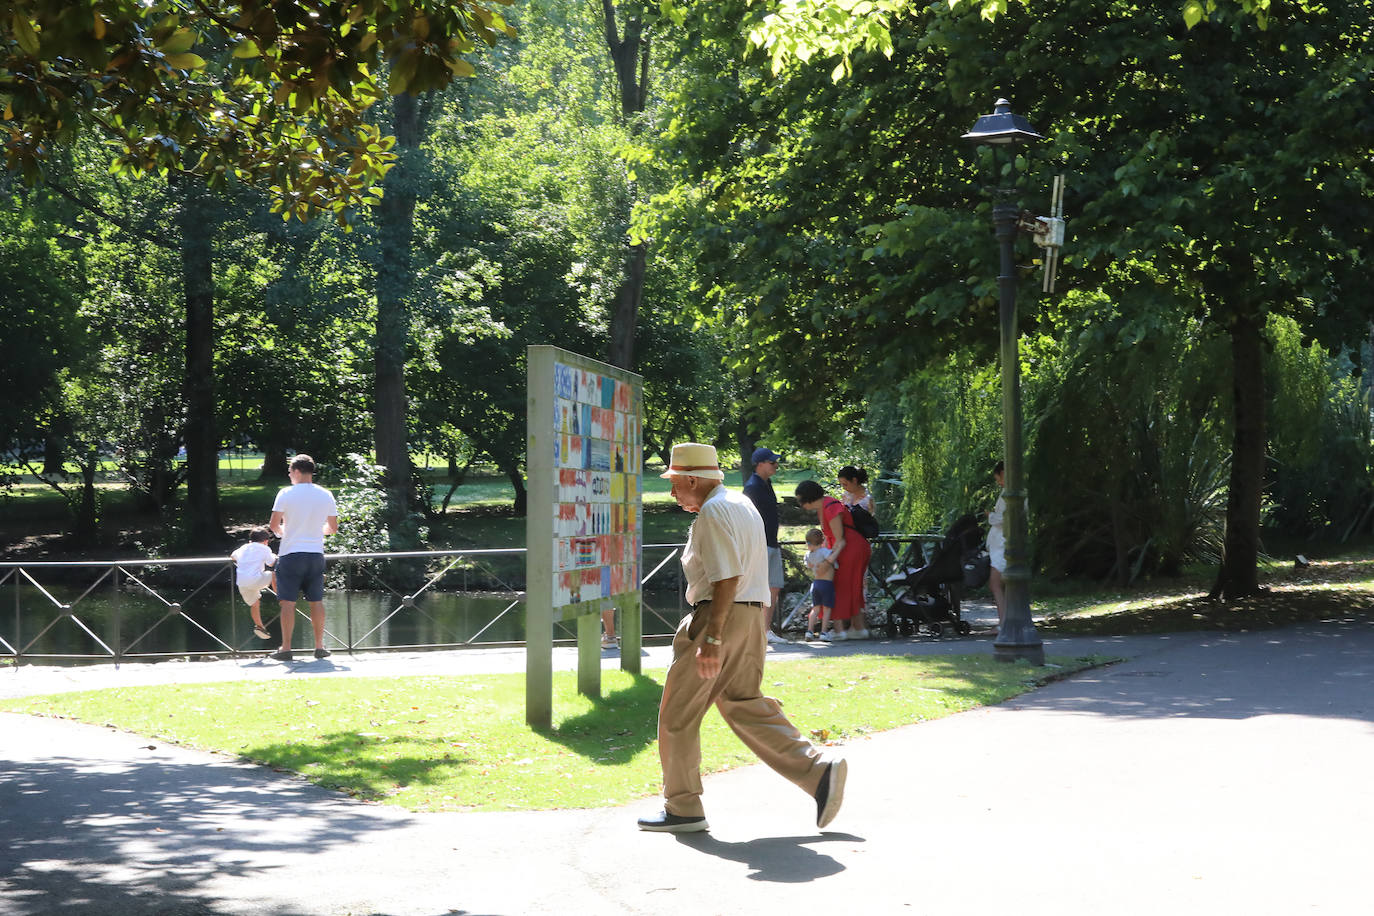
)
(850, 554)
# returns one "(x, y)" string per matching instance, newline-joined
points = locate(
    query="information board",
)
(584, 467)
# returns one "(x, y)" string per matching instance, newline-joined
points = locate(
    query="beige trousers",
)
(757, 720)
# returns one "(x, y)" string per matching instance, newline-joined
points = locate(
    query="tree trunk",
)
(274, 463)
(517, 482)
(396, 232)
(1239, 574)
(86, 526)
(203, 527)
(54, 454)
(747, 444)
(630, 56)
(625, 320)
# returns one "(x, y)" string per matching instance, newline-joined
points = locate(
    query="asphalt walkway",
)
(1205, 774)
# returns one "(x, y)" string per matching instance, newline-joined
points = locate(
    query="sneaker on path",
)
(663, 822)
(830, 793)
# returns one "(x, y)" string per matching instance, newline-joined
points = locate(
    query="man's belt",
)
(704, 602)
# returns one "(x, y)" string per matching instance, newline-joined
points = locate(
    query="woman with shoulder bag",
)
(849, 553)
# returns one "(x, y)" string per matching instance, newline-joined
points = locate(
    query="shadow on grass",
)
(345, 761)
(1276, 606)
(619, 726)
(966, 681)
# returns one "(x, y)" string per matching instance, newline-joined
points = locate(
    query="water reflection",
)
(216, 618)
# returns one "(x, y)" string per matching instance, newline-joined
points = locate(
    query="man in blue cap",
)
(759, 489)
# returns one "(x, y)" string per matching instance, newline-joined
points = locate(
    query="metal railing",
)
(100, 610)
(430, 599)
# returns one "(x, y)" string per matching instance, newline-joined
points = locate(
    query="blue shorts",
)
(297, 572)
(822, 592)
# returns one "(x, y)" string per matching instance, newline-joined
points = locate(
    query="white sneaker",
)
(826, 637)
(841, 635)
(609, 642)
(858, 634)
(773, 637)
(810, 636)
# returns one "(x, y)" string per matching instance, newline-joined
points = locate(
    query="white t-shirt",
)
(305, 507)
(726, 540)
(252, 559)
(815, 555)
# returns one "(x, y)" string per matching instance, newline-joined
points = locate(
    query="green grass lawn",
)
(448, 744)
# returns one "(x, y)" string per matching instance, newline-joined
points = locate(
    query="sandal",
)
(261, 632)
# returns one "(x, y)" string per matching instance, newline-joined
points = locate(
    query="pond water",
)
(134, 622)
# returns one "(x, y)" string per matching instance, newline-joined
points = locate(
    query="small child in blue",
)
(253, 573)
(822, 587)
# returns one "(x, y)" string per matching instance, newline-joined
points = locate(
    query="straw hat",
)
(692, 459)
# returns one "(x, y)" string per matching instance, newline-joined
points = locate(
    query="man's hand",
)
(708, 660)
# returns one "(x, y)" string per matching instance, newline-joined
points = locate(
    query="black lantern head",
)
(1002, 127)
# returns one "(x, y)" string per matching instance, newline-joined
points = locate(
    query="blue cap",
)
(765, 454)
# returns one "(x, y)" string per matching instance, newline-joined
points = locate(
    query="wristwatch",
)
(713, 641)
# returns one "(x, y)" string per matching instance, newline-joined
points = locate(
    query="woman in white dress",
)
(996, 543)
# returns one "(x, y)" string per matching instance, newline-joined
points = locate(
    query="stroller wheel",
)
(965, 628)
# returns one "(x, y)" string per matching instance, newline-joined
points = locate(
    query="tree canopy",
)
(266, 91)
(798, 30)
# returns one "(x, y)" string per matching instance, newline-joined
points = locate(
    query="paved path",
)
(1206, 774)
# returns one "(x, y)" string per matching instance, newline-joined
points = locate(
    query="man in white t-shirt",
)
(302, 515)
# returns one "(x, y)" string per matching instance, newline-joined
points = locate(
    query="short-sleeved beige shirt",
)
(726, 540)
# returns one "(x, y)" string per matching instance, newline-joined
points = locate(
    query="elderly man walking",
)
(719, 650)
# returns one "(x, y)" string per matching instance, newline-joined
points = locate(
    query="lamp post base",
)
(1018, 639)
(1015, 652)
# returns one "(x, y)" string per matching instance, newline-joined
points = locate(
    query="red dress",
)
(849, 578)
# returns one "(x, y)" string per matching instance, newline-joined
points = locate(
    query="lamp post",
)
(1017, 637)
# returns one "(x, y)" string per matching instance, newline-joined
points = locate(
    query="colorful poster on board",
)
(598, 471)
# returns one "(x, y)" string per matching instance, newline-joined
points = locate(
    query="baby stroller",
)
(927, 597)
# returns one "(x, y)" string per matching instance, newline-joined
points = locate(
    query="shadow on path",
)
(783, 860)
(1324, 670)
(143, 828)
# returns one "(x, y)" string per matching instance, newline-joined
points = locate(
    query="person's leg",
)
(255, 611)
(686, 698)
(314, 593)
(289, 579)
(608, 627)
(998, 593)
(288, 624)
(858, 622)
(758, 720)
(317, 622)
(775, 583)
